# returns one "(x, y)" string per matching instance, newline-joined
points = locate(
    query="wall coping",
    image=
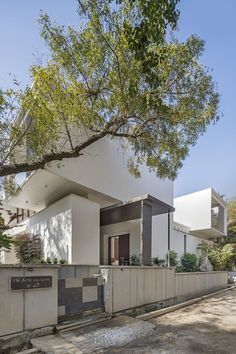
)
(78, 265)
(212, 272)
(133, 267)
(153, 267)
(29, 266)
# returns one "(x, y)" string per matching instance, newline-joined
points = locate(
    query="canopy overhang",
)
(133, 209)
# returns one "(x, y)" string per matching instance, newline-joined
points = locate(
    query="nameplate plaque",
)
(34, 282)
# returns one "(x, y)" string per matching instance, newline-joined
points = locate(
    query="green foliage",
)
(62, 261)
(10, 186)
(219, 255)
(28, 248)
(117, 75)
(135, 260)
(55, 261)
(48, 260)
(158, 262)
(231, 230)
(173, 258)
(5, 240)
(189, 263)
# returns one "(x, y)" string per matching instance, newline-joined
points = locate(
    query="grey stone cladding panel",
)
(61, 292)
(90, 282)
(73, 295)
(79, 291)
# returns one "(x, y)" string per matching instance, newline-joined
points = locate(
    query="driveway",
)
(206, 327)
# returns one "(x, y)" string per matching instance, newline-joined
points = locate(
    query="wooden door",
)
(124, 249)
(118, 250)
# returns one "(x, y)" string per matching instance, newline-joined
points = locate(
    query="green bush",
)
(62, 261)
(189, 263)
(5, 241)
(173, 258)
(28, 248)
(134, 260)
(158, 262)
(220, 256)
(48, 260)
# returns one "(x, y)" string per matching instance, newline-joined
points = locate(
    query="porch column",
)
(146, 234)
(168, 253)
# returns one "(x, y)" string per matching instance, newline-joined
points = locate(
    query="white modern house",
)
(91, 210)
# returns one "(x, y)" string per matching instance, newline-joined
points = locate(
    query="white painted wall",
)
(70, 230)
(192, 242)
(160, 235)
(54, 224)
(103, 168)
(2, 257)
(194, 210)
(85, 231)
(160, 238)
(10, 257)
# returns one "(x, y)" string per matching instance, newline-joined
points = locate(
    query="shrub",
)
(178, 269)
(173, 258)
(159, 262)
(5, 241)
(189, 263)
(48, 260)
(55, 261)
(62, 261)
(28, 248)
(219, 255)
(135, 260)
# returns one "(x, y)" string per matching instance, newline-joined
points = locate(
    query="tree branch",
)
(15, 168)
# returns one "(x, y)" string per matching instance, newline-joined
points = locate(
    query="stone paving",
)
(113, 333)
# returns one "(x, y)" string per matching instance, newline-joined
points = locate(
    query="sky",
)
(211, 162)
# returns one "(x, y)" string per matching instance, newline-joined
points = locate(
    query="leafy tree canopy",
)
(219, 254)
(232, 220)
(119, 74)
(5, 240)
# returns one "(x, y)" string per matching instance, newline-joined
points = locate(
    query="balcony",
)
(217, 216)
(205, 212)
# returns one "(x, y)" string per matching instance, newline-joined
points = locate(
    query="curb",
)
(78, 325)
(157, 313)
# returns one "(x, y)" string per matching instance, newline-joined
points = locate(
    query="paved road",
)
(206, 327)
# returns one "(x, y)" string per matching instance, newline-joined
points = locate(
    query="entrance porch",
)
(126, 229)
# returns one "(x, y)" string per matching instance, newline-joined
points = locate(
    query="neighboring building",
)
(90, 210)
(205, 213)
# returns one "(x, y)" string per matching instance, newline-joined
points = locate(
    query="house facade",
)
(90, 210)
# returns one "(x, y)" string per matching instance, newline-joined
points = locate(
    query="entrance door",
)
(118, 250)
